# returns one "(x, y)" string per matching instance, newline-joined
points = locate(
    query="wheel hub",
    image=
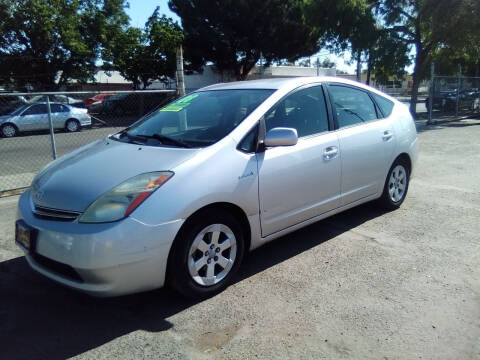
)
(212, 254)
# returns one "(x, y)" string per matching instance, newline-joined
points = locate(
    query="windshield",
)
(196, 120)
(18, 110)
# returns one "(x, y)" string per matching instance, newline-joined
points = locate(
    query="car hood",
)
(75, 180)
(4, 118)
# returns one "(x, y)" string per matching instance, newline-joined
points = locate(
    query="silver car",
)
(35, 117)
(180, 196)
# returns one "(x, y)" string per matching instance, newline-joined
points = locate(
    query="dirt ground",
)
(364, 284)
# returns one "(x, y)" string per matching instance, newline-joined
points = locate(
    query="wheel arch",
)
(231, 208)
(405, 158)
(72, 119)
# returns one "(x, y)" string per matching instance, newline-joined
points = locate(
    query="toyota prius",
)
(179, 197)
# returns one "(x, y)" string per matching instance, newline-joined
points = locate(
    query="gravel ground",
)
(364, 284)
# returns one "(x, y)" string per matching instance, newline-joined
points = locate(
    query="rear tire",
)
(206, 254)
(72, 125)
(9, 130)
(396, 185)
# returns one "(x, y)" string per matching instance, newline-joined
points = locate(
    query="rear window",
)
(385, 105)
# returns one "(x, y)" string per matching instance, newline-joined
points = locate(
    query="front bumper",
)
(110, 259)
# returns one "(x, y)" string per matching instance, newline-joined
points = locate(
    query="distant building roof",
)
(110, 77)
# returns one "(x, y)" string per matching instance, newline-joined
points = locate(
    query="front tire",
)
(9, 130)
(206, 254)
(396, 185)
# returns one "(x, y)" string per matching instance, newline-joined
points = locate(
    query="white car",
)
(35, 117)
(181, 195)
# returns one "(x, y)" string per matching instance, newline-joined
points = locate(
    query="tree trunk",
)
(359, 66)
(369, 70)
(419, 64)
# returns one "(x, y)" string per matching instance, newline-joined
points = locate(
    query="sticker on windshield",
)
(179, 104)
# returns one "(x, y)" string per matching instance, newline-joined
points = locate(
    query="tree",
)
(327, 64)
(234, 34)
(425, 26)
(343, 24)
(386, 57)
(47, 43)
(145, 55)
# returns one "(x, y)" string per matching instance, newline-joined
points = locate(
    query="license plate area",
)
(25, 235)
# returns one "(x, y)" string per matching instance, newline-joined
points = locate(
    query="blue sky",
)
(140, 10)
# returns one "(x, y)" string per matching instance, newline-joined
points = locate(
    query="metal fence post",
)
(459, 83)
(179, 73)
(50, 124)
(432, 94)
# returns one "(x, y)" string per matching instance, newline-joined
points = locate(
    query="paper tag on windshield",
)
(179, 104)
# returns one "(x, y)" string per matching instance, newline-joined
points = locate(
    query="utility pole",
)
(318, 66)
(459, 84)
(179, 74)
(432, 93)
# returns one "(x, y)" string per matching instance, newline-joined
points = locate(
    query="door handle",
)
(330, 153)
(387, 135)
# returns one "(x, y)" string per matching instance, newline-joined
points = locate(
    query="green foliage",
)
(430, 27)
(327, 64)
(234, 34)
(46, 43)
(145, 55)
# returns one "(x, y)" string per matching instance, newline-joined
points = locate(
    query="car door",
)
(59, 115)
(299, 182)
(366, 142)
(34, 118)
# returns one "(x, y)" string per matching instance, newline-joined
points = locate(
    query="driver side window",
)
(36, 110)
(304, 110)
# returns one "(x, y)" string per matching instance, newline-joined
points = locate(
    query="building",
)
(209, 76)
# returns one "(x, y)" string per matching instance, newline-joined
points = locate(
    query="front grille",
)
(54, 214)
(56, 267)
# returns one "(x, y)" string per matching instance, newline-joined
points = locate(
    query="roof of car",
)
(291, 82)
(45, 103)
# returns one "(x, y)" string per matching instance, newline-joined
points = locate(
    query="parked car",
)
(57, 98)
(8, 103)
(180, 196)
(35, 117)
(96, 98)
(447, 101)
(136, 103)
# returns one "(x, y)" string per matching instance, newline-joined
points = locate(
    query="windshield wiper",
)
(163, 139)
(131, 138)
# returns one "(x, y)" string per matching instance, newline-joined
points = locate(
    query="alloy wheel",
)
(8, 130)
(397, 184)
(212, 254)
(72, 126)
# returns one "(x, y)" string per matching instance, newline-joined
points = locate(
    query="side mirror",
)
(281, 137)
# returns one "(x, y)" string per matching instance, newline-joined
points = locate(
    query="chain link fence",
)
(35, 128)
(453, 97)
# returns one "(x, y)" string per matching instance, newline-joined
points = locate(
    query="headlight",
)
(124, 198)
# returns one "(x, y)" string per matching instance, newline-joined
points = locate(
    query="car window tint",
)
(36, 110)
(57, 108)
(304, 110)
(352, 106)
(385, 105)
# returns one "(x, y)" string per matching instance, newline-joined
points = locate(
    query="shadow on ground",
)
(439, 125)
(40, 319)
